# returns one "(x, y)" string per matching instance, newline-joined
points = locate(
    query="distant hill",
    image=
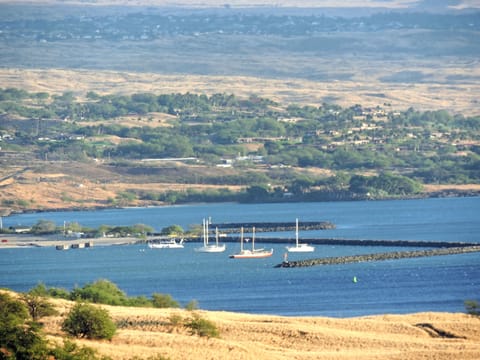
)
(330, 7)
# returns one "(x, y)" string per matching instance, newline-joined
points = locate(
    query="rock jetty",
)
(380, 256)
(273, 226)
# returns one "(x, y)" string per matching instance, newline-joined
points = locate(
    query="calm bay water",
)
(255, 286)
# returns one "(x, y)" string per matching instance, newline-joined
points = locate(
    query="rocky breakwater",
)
(273, 226)
(381, 256)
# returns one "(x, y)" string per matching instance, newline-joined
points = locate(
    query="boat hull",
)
(211, 249)
(166, 245)
(246, 254)
(301, 248)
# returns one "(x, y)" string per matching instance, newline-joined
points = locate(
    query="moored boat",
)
(166, 244)
(253, 253)
(299, 247)
(210, 248)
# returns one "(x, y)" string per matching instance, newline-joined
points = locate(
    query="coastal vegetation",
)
(225, 148)
(160, 334)
(21, 336)
(21, 320)
(105, 292)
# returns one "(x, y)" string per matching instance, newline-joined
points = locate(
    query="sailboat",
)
(298, 246)
(210, 248)
(251, 254)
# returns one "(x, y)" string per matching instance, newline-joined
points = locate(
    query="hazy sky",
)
(280, 3)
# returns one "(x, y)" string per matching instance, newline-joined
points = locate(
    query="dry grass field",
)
(157, 332)
(363, 89)
(81, 185)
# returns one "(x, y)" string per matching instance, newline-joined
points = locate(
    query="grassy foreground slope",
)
(149, 332)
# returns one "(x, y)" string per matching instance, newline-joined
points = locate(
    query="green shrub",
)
(164, 301)
(59, 293)
(100, 292)
(472, 307)
(138, 301)
(192, 305)
(42, 290)
(72, 351)
(202, 327)
(175, 320)
(88, 321)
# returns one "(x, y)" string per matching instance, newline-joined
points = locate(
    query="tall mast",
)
(206, 231)
(241, 239)
(296, 231)
(253, 238)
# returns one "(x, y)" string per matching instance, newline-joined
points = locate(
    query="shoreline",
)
(447, 192)
(21, 241)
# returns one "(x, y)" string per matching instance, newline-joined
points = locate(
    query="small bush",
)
(88, 321)
(139, 301)
(192, 305)
(164, 301)
(59, 293)
(472, 307)
(72, 351)
(202, 327)
(176, 320)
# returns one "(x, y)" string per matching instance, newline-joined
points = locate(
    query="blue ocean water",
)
(440, 283)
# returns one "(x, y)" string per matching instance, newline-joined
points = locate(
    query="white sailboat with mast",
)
(210, 248)
(299, 247)
(253, 253)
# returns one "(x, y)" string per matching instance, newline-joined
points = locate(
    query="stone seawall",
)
(272, 226)
(380, 256)
(348, 242)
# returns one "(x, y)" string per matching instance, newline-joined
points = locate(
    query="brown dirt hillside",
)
(74, 185)
(242, 336)
(42, 186)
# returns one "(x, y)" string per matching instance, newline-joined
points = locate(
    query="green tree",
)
(38, 306)
(89, 321)
(101, 292)
(257, 194)
(20, 338)
(44, 227)
(174, 230)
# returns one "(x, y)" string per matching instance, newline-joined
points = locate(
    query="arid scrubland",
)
(151, 332)
(364, 89)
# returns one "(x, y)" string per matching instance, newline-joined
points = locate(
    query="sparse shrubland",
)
(106, 292)
(21, 336)
(22, 316)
